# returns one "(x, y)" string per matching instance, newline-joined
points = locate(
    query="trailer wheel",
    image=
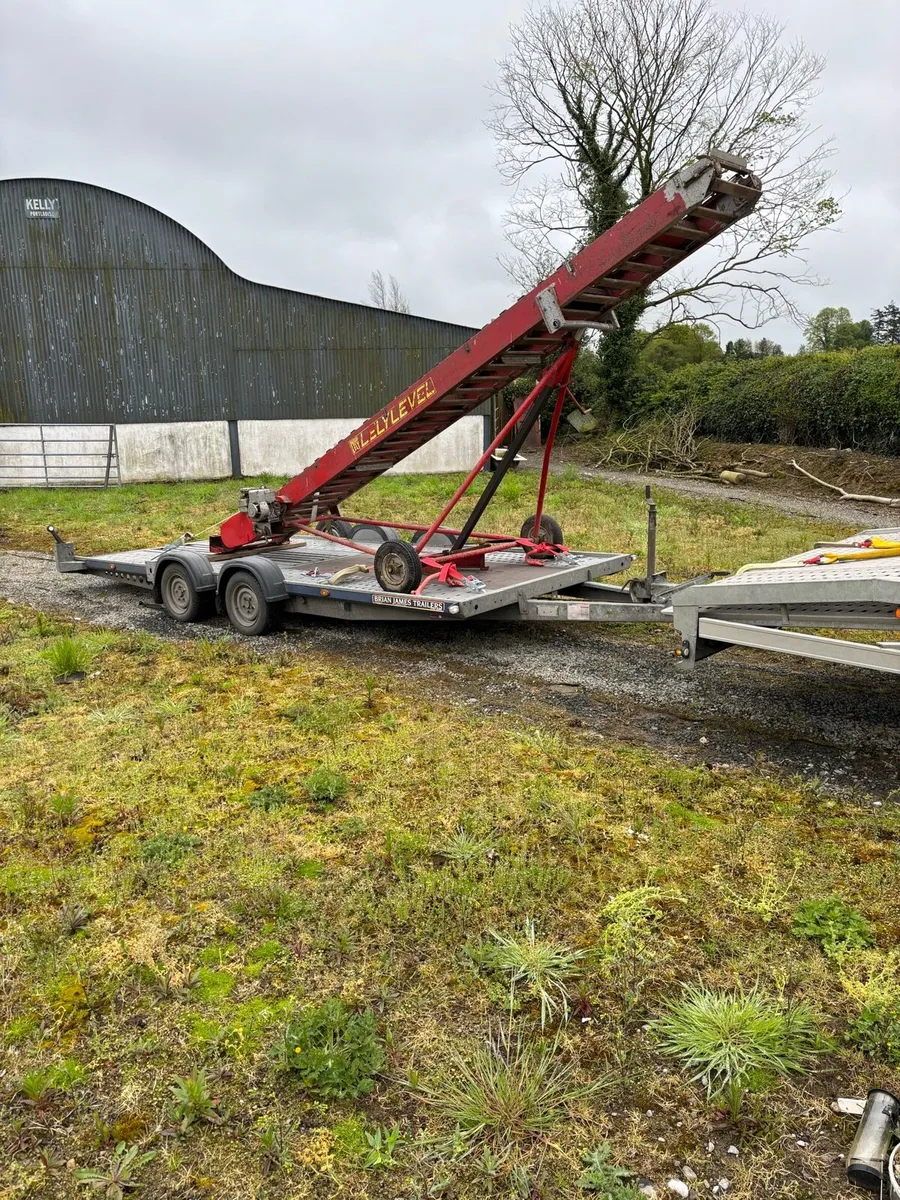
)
(335, 527)
(549, 529)
(180, 598)
(398, 567)
(248, 609)
(373, 535)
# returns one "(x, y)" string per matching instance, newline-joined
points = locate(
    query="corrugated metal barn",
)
(112, 312)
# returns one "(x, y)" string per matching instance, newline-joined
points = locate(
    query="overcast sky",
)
(308, 143)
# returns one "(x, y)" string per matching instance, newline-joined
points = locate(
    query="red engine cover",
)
(237, 531)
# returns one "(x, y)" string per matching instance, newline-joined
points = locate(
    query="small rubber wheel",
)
(180, 598)
(373, 535)
(248, 609)
(437, 545)
(335, 527)
(398, 567)
(550, 530)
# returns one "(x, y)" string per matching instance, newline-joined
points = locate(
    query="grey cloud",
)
(310, 143)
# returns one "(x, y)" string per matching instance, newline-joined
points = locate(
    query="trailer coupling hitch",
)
(66, 558)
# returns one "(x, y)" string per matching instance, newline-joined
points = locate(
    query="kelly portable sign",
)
(46, 208)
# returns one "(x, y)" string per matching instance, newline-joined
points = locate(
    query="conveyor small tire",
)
(373, 535)
(248, 609)
(550, 530)
(398, 567)
(438, 544)
(335, 527)
(179, 596)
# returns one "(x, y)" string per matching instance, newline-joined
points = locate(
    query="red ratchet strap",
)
(537, 553)
(447, 573)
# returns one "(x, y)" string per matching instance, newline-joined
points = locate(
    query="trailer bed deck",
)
(308, 565)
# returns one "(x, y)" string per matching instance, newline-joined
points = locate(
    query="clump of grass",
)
(736, 1041)
(334, 1051)
(326, 718)
(64, 806)
(168, 848)
(506, 1091)
(269, 900)
(836, 927)
(68, 656)
(541, 968)
(463, 846)
(326, 786)
(270, 797)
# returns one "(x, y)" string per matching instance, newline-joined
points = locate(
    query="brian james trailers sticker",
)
(408, 602)
(46, 208)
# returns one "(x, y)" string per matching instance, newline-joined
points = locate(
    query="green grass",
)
(695, 535)
(161, 932)
(67, 656)
(539, 968)
(737, 1041)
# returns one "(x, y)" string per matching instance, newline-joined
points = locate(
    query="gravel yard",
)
(836, 724)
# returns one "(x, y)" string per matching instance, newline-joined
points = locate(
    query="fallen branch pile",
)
(668, 444)
(663, 443)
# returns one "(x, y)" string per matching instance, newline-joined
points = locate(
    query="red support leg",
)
(547, 379)
(548, 449)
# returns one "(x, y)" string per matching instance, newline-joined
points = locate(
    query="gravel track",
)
(840, 512)
(836, 724)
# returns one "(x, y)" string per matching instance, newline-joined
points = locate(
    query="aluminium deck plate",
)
(867, 588)
(308, 565)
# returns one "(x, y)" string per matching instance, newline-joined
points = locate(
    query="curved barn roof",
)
(115, 311)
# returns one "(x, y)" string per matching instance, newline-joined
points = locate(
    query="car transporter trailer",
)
(296, 550)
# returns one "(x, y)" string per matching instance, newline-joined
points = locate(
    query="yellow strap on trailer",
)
(874, 547)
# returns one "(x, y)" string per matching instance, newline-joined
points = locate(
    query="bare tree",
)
(598, 102)
(387, 295)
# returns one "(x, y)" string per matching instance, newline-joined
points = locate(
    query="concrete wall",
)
(286, 447)
(177, 450)
(183, 450)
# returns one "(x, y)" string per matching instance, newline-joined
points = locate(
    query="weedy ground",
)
(197, 843)
(694, 535)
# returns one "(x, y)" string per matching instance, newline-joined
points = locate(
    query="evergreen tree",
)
(886, 325)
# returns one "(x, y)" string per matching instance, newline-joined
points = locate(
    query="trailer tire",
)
(178, 595)
(249, 612)
(398, 567)
(373, 535)
(335, 527)
(550, 530)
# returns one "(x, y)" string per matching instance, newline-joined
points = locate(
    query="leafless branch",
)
(623, 93)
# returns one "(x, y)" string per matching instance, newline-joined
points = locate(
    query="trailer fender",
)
(202, 575)
(267, 574)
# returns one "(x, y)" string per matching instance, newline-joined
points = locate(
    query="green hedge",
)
(848, 398)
